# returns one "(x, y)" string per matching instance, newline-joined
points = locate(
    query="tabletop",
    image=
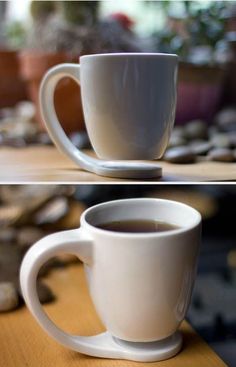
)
(24, 343)
(47, 164)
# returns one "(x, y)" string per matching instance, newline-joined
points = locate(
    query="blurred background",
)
(36, 35)
(29, 212)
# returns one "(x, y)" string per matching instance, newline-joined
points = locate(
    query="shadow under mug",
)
(129, 102)
(140, 283)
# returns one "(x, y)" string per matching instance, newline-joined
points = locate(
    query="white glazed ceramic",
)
(140, 284)
(129, 103)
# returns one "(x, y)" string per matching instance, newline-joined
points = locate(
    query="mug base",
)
(107, 346)
(151, 351)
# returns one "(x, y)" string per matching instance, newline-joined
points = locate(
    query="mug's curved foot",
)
(129, 169)
(106, 346)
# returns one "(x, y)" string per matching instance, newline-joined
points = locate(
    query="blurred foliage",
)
(15, 34)
(79, 12)
(195, 26)
(73, 12)
(40, 10)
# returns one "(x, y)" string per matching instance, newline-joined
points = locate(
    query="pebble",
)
(234, 154)
(10, 260)
(80, 140)
(220, 140)
(226, 119)
(179, 131)
(27, 236)
(9, 298)
(7, 112)
(182, 154)
(8, 235)
(9, 215)
(232, 139)
(213, 130)
(176, 141)
(25, 109)
(13, 142)
(54, 210)
(44, 292)
(44, 139)
(200, 147)
(196, 129)
(221, 155)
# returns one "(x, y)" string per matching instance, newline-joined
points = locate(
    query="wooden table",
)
(23, 343)
(46, 164)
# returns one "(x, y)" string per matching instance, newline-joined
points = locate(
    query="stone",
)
(232, 139)
(10, 260)
(8, 235)
(196, 129)
(25, 109)
(182, 154)
(9, 215)
(44, 139)
(7, 112)
(200, 147)
(9, 298)
(16, 142)
(44, 292)
(220, 140)
(27, 236)
(80, 140)
(234, 154)
(226, 119)
(179, 131)
(176, 141)
(53, 211)
(221, 155)
(213, 130)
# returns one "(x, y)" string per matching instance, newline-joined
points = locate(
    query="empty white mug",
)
(129, 102)
(140, 283)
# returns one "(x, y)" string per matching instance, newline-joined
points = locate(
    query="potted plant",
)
(49, 44)
(62, 31)
(194, 37)
(12, 87)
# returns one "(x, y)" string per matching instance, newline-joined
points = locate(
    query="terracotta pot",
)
(12, 86)
(199, 92)
(67, 96)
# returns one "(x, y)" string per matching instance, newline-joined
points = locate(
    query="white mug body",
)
(129, 103)
(141, 284)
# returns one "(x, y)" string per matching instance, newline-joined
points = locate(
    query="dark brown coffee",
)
(137, 226)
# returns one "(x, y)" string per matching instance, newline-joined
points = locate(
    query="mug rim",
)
(131, 54)
(85, 224)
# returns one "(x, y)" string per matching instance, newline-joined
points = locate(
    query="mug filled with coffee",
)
(129, 102)
(135, 252)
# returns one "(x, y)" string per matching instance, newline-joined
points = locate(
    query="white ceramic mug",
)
(129, 102)
(140, 283)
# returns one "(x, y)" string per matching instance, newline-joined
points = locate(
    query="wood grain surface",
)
(24, 344)
(46, 164)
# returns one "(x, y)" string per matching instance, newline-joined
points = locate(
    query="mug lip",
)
(92, 228)
(130, 54)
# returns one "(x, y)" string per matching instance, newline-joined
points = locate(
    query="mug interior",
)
(173, 212)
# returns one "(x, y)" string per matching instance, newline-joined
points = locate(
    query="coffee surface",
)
(137, 226)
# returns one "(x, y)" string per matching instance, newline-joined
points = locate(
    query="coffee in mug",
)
(137, 226)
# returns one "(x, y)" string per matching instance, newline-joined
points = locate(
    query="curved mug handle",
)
(56, 132)
(78, 243)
